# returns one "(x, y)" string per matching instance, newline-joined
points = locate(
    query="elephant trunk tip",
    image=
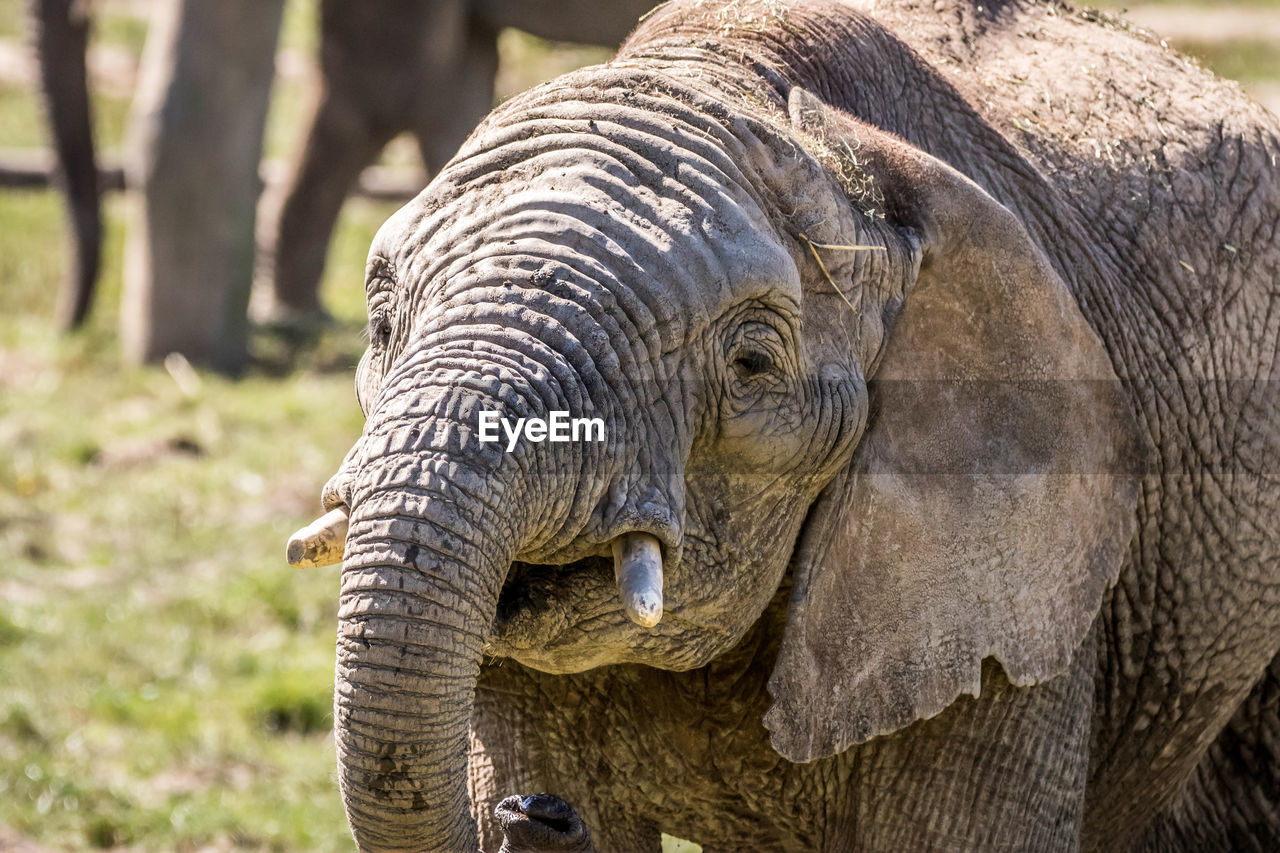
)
(637, 566)
(320, 543)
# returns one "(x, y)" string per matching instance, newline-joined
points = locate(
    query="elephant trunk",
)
(416, 603)
(436, 519)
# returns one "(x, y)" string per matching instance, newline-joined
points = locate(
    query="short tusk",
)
(637, 566)
(321, 542)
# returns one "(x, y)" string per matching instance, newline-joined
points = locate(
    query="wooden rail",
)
(33, 168)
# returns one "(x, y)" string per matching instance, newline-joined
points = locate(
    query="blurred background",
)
(165, 678)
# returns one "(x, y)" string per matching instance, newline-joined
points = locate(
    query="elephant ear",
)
(990, 502)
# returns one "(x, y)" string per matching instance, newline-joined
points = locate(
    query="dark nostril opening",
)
(543, 810)
(558, 824)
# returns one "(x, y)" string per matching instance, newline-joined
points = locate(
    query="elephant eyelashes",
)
(380, 331)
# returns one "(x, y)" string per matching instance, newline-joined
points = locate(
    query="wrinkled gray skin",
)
(989, 563)
(394, 66)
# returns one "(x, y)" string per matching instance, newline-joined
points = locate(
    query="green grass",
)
(119, 27)
(289, 109)
(165, 679)
(300, 28)
(13, 18)
(22, 120)
(1246, 61)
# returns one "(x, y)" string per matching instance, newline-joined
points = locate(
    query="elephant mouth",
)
(540, 603)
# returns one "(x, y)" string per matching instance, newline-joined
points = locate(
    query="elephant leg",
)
(1232, 800)
(1005, 771)
(584, 21)
(375, 57)
(449, 110)
(61, 39)
(341, 142)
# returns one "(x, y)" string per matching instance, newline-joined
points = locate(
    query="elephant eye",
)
(380, 330)
(752, 363)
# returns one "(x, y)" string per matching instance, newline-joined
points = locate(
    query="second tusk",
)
(637, 566)
(320, 543)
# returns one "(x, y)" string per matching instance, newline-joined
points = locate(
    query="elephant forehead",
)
(679, 227)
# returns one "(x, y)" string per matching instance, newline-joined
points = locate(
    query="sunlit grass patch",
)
(21, 118)
(1246, 61)
(166, 678)
(13, 18)
(290, 111)
(301, 26)
(525, 60)
(119, 26)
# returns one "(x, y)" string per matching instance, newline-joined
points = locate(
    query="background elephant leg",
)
(377, 59)
(61, 40)
(1005, 771)
(447, 112)
(584, 21)
(341, 142)
(1232, 800)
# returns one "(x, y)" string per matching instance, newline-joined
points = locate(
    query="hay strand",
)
(813, 250)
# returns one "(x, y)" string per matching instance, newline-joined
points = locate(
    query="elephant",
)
(936, 349)
(390, 66)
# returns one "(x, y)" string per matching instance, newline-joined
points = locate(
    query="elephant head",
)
(811, 345)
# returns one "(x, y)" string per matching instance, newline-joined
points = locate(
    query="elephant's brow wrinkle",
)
(641, 124)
